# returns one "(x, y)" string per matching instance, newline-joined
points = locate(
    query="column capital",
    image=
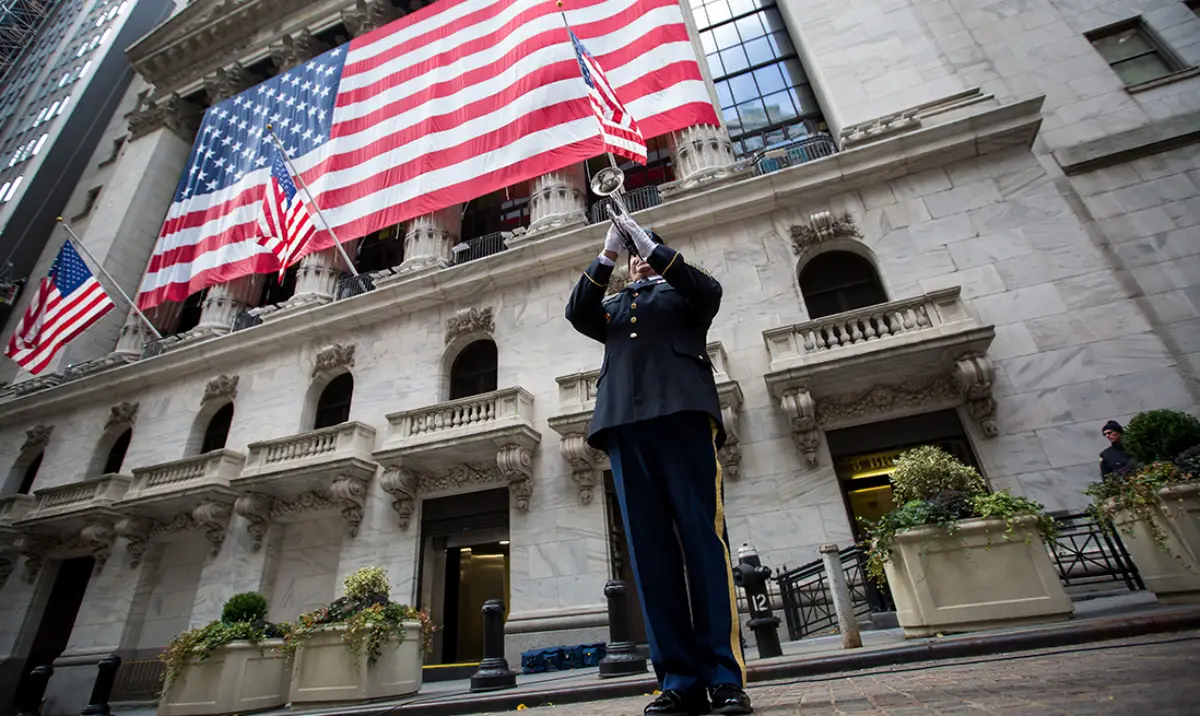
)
(296, 49)
(367, 15)
(173, 112)
(228, 81)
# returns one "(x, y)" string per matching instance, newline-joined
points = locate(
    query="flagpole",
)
(291, 167)
(78, 243)
(612, 162)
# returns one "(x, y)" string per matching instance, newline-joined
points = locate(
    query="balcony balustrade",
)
(897, 358)
(473, 441)
(72, 518)
(326, 468)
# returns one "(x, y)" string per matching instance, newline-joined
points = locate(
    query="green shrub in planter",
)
(245, 607)
(1160, 435)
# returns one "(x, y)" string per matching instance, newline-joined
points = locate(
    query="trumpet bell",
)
(607, 181)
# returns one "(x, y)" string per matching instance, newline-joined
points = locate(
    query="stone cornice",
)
(990, 130)
(207, 35)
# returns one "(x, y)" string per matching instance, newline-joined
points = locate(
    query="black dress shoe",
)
(730, 699)
(678, 703)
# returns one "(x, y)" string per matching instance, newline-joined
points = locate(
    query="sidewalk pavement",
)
(1100, 619)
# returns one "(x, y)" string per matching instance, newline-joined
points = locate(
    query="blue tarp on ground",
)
(559, 658)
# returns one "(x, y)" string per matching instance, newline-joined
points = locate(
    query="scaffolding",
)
(20, 21)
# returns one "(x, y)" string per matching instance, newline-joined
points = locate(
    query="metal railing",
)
(815, 146)
(808, 603)
(156, 347)
(138, 680)
(245, 320)
(350, 286)
(643, 197)
(1088, 552)
(480, 247)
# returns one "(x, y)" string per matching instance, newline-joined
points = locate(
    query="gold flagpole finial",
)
(60, 219)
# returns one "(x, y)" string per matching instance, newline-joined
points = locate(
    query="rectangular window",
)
(1135, 52)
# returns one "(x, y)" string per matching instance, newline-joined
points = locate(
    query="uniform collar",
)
(647, 282)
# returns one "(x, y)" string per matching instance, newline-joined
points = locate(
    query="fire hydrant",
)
(753, 577)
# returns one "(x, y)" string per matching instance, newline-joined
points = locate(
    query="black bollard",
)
(752, 576)
(621, 658)
(98, 705)
(35, 691)
(493, 673)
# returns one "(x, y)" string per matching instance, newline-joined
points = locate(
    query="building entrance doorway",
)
(864, 458)
(58, 618)
(620, 565)
(464, 563)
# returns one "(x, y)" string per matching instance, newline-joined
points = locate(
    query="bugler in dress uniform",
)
(659, 419)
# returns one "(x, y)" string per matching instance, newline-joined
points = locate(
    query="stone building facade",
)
(976, 227)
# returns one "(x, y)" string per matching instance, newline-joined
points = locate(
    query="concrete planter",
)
(325, 670)
(1172, 574)
(237, 678)
(955, 583)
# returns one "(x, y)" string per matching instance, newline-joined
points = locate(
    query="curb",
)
(938, 649)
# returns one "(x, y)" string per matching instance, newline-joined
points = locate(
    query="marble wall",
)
(308, 564)
(173, 595)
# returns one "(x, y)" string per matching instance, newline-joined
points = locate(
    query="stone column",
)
(429, 241)
(557, 200)
(702, 154)
(367, 15)
(226, 300)
(135, 333)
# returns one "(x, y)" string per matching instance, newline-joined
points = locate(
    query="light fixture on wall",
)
(504, 542)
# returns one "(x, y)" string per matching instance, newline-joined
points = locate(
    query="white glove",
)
(630, 227)
(613, 241)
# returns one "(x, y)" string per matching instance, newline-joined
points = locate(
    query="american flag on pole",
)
(617, 126)
(285, 221)
(67, 303)
(444, 105)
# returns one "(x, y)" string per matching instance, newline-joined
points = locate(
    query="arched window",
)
(474, 370)
(30, 473)
(333, 407)
(116, 454)
(839, 281)
(218, 429)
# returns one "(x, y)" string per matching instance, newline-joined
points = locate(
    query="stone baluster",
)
(430, 239)
(557, 200)
(702, 154)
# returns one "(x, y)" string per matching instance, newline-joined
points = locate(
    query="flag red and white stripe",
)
(445, 105)
(617, 126)
(67, 302)
(285, 221)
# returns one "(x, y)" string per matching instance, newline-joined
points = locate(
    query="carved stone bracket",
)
(296, 50)
(98, 537)
(37, 438)
(350, 493)
(801, 411)
(584, 461)
(122, 415)
(213, 518)
(366, 15)
(223, 387)
(256, 508)
(975, 376)
(136, 531)
(333, 358)
(470, 320)
(516, 466)
(34, 548)
(822, 227)
(402, 485)
(173, 112)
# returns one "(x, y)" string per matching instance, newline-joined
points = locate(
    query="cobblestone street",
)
(1147, 676)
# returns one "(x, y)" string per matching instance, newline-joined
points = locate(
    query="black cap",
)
(654, 236)
(1113, 426)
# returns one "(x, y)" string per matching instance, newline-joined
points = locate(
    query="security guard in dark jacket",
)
(1113, 457)
(659, 419)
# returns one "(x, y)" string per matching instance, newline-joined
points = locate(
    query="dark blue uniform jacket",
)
(654, 336)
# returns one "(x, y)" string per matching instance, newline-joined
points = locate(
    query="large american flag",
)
(285, 221)
(445, 105)
(67, 302)
(617, 126)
